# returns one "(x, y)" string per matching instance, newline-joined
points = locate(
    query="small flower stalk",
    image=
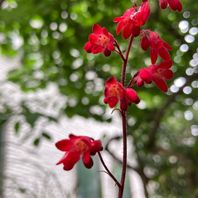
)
(117, 92)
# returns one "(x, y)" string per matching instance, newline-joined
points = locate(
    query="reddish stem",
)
(124, 163)
(131, 83)
(124, 123)
(123, 75)
(108, 171)
(119, 50)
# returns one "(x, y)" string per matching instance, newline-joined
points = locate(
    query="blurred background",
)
(49, 87)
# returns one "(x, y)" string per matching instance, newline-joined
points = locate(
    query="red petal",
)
(105, 31)
(110, 47)
(96, 146)
(166, 64)
(93, 38)
(116, 19)
(146, 75)
(88, 162)
(167, 74)
(97, 49)
(145, 43)
(111, 80)
(127, 31)
(179, 6)
(163, 4)
(64, 145)
(135, 31)
(97, 29)
(112, 101)
(167, 46)
(161, 84)
(70, 160)
(139, 82)
(88, 47)
(163, 52)
(107, 52)
(119, 27)
(173, 4)
(153, 55)
(132, 95)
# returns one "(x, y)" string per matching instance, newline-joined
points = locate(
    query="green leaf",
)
(46, 136)
(36, 142)
(17, 127)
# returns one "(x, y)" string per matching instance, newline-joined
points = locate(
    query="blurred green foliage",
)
(50, 37)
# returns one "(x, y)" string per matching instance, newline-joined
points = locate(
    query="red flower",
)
(173, 4)
(131, 21)
(156, 44)
(155, 73)
(100, 41)
(115, 92)
(77, 146)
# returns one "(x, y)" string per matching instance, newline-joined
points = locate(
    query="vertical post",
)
(2, 154)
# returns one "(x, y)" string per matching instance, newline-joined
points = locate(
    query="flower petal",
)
(167, 74)
(88, 162)
(97, 29)
(146, 75)
(70, 160)
(166, 64)
(88, 47)
(161, 84)
(107, 52)
(127, 31)
(132, 95)
(96, 146)
(153, 55)
(64, 145)
(112, 101)
(163, 52)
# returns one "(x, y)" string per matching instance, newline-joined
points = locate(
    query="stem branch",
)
(108, 171)
(123, 76)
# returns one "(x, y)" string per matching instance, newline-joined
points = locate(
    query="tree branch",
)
(1, 2)
(161, 112)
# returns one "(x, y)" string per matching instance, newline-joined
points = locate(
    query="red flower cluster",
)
(131, 21)
(77, 146)
(100, 41)
(115, 92)
(173, 4)
(156, 73)
(156, 44)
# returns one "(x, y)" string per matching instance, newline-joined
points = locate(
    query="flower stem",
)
(131, 83)
(108, 171)
(124, 163)
(123, 75)
(124, 122)
(119, 50)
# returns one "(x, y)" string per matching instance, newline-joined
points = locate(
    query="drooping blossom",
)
(173, 4)
(76, 147)
(115, 92)
(131, 21)
(155, 73)
(158, 47)
(100, 41)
